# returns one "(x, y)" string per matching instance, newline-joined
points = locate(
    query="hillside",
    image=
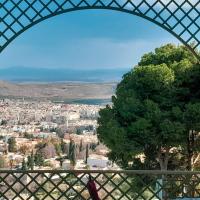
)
(57, 91)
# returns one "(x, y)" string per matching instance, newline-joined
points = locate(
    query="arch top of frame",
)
(179, 17)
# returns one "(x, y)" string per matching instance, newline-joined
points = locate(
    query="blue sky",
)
(90, 39)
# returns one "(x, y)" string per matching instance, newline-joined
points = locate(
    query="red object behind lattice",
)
(91, 186)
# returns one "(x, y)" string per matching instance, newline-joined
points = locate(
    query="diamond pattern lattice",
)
(111, 185)
(179, 17)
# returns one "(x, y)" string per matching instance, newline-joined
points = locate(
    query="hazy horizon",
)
(31, 74)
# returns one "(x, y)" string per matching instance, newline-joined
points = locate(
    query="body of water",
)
(86, 101)
(23, 74)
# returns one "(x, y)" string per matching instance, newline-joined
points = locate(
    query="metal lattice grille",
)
(179, 17)
(111, 185)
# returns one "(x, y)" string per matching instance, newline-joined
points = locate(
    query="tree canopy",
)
(155, 108)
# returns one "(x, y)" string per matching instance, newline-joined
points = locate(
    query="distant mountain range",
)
(27, 74)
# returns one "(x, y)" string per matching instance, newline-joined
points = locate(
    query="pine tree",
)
(12, 146)
(70, 148)
(73, 155)
(24, 165)
(63, 146)
(72, 152)
(30, 162)
(81, 146)
(86, 153)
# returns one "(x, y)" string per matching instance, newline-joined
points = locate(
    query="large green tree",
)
(150, 110)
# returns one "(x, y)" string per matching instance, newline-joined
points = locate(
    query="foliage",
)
(78, 131)
(47, 149)
(28, 136)
(81, 146)
(3, 122)
(63, 146)
(12, 146)
(93, 146)
(59, 132)
(24, 165)
(86, 153)
(72, 152)
(58, 149)
(153, 108)
(40, 145)
(24, 149)
(30, 161)
(38, 159)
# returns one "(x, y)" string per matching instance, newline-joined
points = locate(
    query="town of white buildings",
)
(50, 129)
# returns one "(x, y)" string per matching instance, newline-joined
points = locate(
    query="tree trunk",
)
(163, 158)
(190, 145)
(190, 157)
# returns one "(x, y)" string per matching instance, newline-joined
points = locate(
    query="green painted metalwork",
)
(179, 17)
(111, 185)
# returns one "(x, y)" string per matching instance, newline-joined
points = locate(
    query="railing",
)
(111, 185)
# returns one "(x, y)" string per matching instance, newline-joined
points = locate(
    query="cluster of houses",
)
(31, 123)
